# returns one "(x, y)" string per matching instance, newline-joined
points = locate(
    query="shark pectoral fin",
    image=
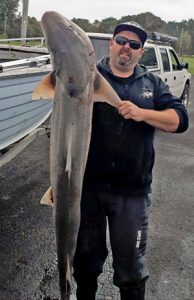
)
(45, 89)
(103, 91)
(47, 198)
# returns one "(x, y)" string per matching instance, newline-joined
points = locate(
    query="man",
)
(118, 174)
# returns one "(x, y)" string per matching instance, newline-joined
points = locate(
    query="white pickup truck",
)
(160, 58)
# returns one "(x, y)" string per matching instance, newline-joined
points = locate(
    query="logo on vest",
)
(146, 94)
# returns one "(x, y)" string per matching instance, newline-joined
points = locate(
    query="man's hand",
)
(131, 111)
(166, 120)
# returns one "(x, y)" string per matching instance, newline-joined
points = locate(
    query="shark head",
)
(71, 52)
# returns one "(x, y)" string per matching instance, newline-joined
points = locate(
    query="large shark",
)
(73, 84)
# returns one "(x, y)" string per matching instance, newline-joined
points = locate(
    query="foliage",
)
(34, 28)
(183, 30)
(8, 13)
(190, 61)
(147, 20)
(107, 25)
(14, 29)
(83, 23)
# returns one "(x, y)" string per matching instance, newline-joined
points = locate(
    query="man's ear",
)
(142, 52)
(111, 43)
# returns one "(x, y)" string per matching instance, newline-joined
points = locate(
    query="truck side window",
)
(101, 47)
(148, 59)
(174, 60)
(165, 59)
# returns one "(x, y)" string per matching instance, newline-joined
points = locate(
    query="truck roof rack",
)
(160, 38)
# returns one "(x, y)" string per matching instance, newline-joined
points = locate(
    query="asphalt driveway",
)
(27, 244)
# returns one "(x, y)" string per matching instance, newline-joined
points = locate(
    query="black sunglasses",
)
(122, 41)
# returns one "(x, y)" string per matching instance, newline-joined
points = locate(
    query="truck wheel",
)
(185, 95)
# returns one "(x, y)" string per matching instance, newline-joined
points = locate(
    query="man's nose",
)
(127, 45)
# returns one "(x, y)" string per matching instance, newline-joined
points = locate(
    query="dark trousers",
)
(128, 223)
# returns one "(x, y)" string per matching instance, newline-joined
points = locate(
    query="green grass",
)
(190, 61)
(29, 43)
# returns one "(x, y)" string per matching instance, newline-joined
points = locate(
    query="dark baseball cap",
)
(134, 27)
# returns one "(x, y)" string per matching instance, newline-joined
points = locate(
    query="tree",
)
(185, 43)
(34, 28)
(10, 24)
(83, 23)
(15, 30)
(107, 25)
(191, 32)
(8, 11)
(149, 21)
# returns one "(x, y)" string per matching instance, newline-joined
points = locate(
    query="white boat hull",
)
(19, 114)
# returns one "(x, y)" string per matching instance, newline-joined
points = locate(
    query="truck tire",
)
(185, 95)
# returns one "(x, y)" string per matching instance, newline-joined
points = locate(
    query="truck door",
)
(178, 74)
(166, 74)
(172, 74)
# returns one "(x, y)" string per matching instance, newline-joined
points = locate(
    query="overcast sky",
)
(167, 10)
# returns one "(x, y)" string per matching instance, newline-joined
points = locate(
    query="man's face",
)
(123, 57)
